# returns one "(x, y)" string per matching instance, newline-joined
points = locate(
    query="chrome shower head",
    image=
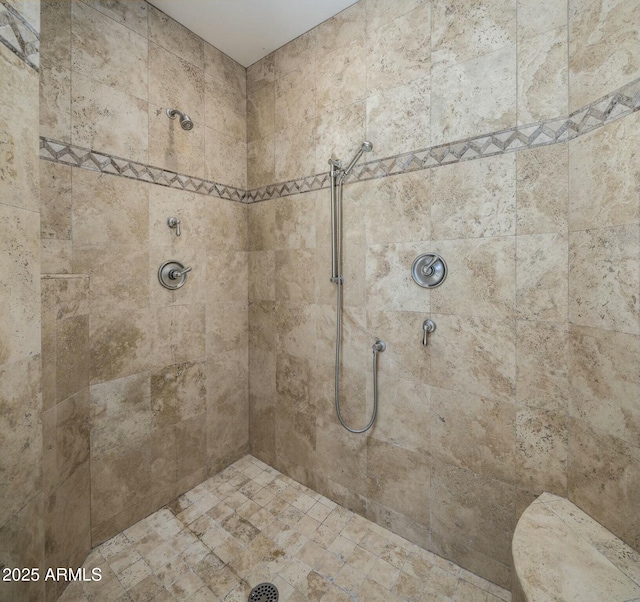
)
(186, 123)
(366, 147)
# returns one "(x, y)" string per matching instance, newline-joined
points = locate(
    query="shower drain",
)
(264, 592)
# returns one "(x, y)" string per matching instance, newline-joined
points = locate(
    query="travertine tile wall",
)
(109, 71)
(166, 370)
(21, 496)
(530, 382)
(65, 423)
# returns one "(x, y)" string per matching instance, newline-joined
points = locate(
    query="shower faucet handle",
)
(174, 222)
(428, 326)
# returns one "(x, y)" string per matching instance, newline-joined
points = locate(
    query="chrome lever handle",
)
(175, 274)
(428, 326)
(174, 222)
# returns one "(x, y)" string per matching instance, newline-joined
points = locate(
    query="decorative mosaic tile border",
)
(610, 108)
(19, 36)
(77, 156)
(614, 106)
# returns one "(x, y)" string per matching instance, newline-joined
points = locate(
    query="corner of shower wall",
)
(21, 472)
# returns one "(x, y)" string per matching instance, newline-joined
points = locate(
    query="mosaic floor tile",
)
(250, 524)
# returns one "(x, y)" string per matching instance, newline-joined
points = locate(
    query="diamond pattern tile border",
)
(77, 156)
(18, 36)
(614, 106)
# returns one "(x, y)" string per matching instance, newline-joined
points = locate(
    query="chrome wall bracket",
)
(429, 270)
(172, 274)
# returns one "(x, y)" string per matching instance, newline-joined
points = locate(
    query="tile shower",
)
(505, 138)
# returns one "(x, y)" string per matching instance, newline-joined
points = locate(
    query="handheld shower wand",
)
(337, 177)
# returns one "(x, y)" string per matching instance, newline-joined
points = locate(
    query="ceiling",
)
(248, 30)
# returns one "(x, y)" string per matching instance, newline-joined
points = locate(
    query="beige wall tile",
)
(542, 189)
(295, 276)
(175, 38)
(295, 55)
(604, 176)
(340, 133)
(603, 48)
(262, 325)
(487, 345)
(55, 33)
(474, 198)
(380, 12)
(133, 13)
(460, 33)
(67, 518)
(398, 208)
(120, 478)
(228, 225)
(224, 68)
(120, 413)
(261, 113)
(191, 444)
(389, 283)
(295, 221)
(470, 509)
(296, 328)
(491, 107)
(175, 83)
(609, 300)
(227, 328)
(538, 16)
(261, 162)
(225, 109)
(262, 266)
(23, 546)
(188, 341)
(543, 91)
(19, 151)
(225, 159)
(605, 383)
(55, 256)
(21, 465)
(120, 343)
(262, 221)
(399, 51)
(541, 277)
(108, 210)
(603, 479)
(108, 52)
(474, 432)
(399, 479)
(404, 419)
(542, 369)
(341, 76)
(480, 280)
(295, 151)
(262, 373)
(293, 380)
(108, 119)
(55, 100)
(72, 346)
(260, 73)
(55, 200)
(341, 29)
(295, 101)
(227, 275)
(541, 450)
(19, 301)
(398, 119)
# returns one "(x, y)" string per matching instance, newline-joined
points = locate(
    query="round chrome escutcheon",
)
(429, 270)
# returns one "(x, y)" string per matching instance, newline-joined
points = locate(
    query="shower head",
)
(366, 147)
(186, 122)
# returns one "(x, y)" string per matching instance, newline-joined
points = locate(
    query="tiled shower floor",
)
(250, 524)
